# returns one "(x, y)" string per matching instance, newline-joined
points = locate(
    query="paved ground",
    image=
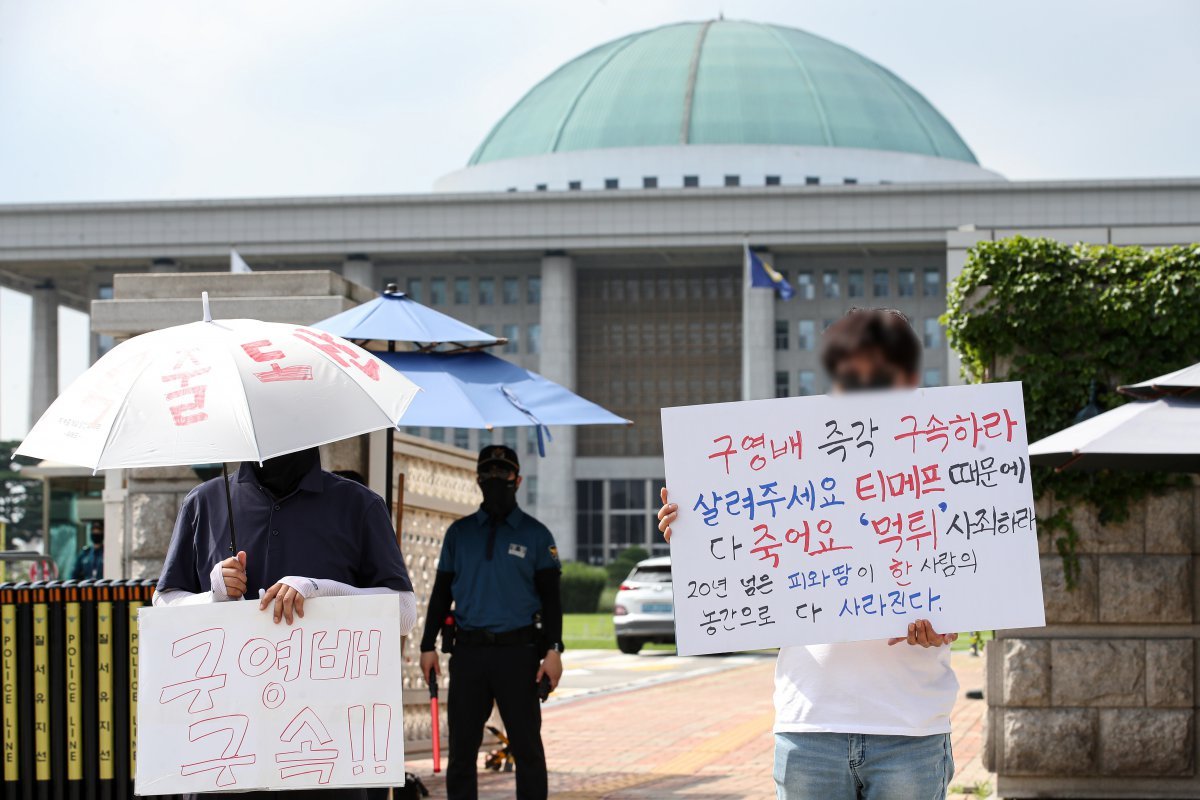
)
(658, 726)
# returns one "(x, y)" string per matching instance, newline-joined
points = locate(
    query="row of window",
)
(512, 332)
(692, 182)
(806, 333)
(483, 292)
(472, 439)
(806, 383)
(856, 283)
(612, 515)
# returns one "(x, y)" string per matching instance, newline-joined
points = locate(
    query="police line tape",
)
(68, 688)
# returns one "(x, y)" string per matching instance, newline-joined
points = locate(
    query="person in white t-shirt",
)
(863, 720)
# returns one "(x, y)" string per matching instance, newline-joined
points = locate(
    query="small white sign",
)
(825, 519)
(230, 701)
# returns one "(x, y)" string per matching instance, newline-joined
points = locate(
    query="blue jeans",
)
(858, 766)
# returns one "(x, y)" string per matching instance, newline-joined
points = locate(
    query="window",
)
(781, 334)
(806, 334)
(782, 385)
(933, 377)
(905, 283)
(812, 180)
(589, 521)
(933, 283)
(437, 434)
(535, 338)
(611, 183)
(488, 328)
(487, 291)
(437, 291)
(880, 282)
(513, 334)
(574, 186)
(529, 484)
(541, 187)
(850, 181)
(807, 384)
(825, 324)
(531, 436)
(510, 439)
(855, 284)
(833, 289)
(414, 289)
(733, 180)
(772, 180)
(462, 438)
(534, 295)
(650, 182)
(804, 285)
(691, 181)
(933, 333)
(511, 290)
(412, 430)
(462, 291)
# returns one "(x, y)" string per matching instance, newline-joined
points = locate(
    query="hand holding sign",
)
(824, 519)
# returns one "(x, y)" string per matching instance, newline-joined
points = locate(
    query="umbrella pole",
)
(389, 467)
(229, 508)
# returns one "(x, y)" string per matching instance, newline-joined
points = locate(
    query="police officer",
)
(500, 568)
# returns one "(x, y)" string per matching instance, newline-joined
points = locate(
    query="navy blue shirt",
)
(497, 595)
(330, 527)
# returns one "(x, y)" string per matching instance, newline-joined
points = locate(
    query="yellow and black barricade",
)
(69, 689)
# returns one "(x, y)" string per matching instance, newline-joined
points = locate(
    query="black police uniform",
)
(500, 568)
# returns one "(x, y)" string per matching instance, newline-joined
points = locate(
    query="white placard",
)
(812, 520)
(230, 701)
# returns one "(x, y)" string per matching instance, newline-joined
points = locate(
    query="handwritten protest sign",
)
(229, 701)
(826, 519)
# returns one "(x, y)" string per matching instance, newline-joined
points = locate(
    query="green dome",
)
(721, 82)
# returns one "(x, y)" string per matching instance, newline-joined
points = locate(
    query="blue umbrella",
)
(396, 317)
(478, 390)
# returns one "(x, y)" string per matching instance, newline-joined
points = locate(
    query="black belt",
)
(525, 635)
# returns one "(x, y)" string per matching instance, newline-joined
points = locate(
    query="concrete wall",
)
(1101, 703)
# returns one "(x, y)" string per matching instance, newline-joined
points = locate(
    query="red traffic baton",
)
(433, 709)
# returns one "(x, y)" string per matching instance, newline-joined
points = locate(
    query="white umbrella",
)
(1155, 435)
(1182, 382)
(218, 391)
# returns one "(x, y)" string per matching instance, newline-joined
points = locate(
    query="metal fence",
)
(68, 688)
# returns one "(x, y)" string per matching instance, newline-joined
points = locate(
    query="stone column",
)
(758, 342)
(43, 386)
(958, 242)
(359, 268)
(556, 472)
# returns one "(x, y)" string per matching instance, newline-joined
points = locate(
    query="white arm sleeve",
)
(325, 587)
(178, 597)
(217, 581)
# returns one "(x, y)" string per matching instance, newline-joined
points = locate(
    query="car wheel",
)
(628, 645)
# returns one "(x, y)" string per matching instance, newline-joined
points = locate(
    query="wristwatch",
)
(556, 647)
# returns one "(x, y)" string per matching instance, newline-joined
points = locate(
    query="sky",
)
(124, 99)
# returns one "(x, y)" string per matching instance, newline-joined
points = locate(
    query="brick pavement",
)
(699, 738)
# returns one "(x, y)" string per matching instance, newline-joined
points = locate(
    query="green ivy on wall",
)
(1061, 318)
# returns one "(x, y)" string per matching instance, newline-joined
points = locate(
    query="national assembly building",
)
(600, 228)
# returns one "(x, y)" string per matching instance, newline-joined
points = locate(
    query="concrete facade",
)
(532, 265)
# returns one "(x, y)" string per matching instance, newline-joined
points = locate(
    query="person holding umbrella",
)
(303, 533)
(500, 568)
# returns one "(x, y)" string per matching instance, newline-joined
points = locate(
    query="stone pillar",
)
(1102, 701)
(359, 269)
(556, 472)
(958, 242)
(758, 342)
(43, 386)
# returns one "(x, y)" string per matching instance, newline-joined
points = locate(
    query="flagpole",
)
(747, 348)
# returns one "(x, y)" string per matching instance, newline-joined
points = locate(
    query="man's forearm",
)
(440, 598)
(548, 583)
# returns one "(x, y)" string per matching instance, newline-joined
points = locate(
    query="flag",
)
(236, 263)
(763, 275)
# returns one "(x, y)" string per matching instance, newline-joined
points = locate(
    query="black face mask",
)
(281, 475)
(97, 538)
(499, 497)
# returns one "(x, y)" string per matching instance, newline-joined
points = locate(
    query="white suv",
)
(644, 609)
